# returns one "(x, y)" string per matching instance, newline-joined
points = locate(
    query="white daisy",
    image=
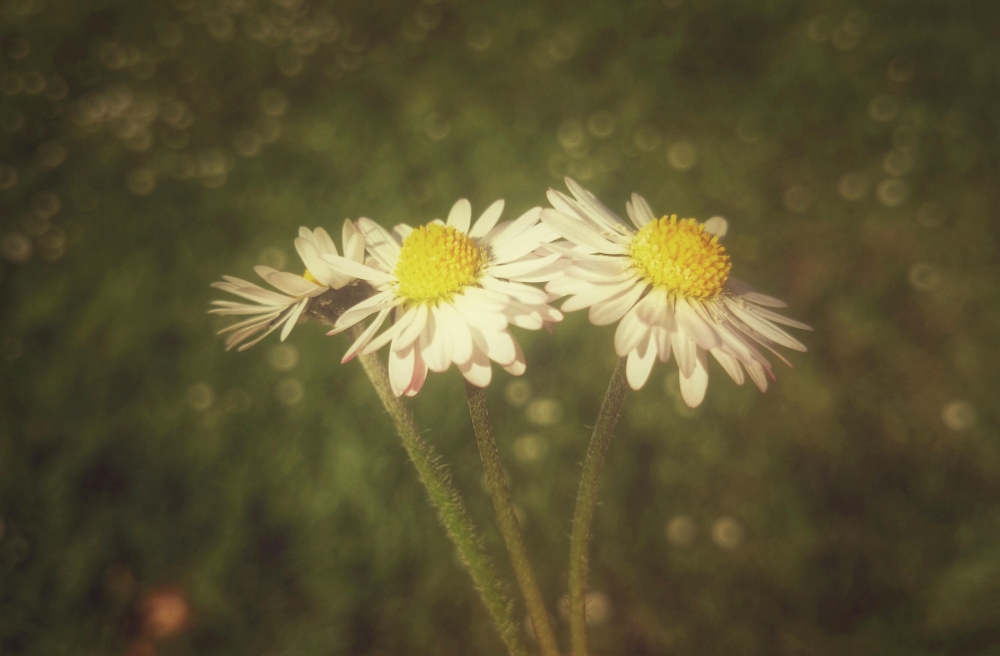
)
(453, 291)
(668, 282)
(272, 309)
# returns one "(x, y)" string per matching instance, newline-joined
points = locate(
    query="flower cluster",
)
(450, 291)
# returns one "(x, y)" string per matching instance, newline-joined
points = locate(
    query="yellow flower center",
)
(679, 256)
(436, 261)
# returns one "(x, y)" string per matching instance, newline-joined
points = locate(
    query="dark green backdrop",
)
(148, 148)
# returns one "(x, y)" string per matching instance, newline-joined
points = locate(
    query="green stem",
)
(509, 526)
(586, 498)
(449, 506)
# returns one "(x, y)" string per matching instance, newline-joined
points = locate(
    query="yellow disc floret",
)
(436, 261)
(679, 256)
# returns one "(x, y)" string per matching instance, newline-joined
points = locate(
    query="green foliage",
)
(148, 148)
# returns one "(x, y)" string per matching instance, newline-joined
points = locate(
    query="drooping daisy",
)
(453, 291)
(668, 282)
(271, 309)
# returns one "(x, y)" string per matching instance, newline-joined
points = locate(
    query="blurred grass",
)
(148, 149)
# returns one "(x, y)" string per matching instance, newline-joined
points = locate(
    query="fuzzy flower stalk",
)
(667, 283)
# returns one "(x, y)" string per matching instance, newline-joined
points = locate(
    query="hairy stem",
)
(450, 508)
(509, 526)
(586, 498)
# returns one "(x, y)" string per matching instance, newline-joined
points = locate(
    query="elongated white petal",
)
(476, 315)
(477, 369)
(358, 270)
(630, 332)
(517, 365)
(289, 282)
(578, 233)
(412, 332)
(365, 336)
(597, 294)
(693, 385)
(364, 309)
(763, 327)
(522, 292)
(401, 365)
(253, 292)
(717, 226)
(459, 339)
(504, 233)
(354, 242)
(639, 211)
(685, 352)
(693, 325)
(382, 246)
(730, 364)
(293, 318)
(611, 310)
(487, 221)
(436, 350)
(640, 363)
(402, 322)
(514, 270)
(460, 216)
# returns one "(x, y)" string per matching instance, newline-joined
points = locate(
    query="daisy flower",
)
(453, 289)
(270, 309)
(667, 281)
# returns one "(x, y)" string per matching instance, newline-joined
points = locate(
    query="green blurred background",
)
(161, 496)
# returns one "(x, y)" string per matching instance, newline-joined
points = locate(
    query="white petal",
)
(517, 290)
(253, 292)
(517, 366)
(354, 242)
(358, 270)
(777, 318)
(459, 341)
(477, 316)
(693, 324)
(730, 364)
(739, 288)
(530, 240)
(401, 369)
(293, 318)
(366, 336)
(578, 232)
(757, 374)
(685, 352)
(693, 386)
(595, 294)
(594, 207)
(412, 332)
(402, 323)
(498, 345)
(640, 363)
(380, 243)
(762, 326)
(661, 337)
(487, 221)
(527, 266)
(611, 310)
(460, 216)
(371, 305)
(259, 320)
(630, 333)
(655, 309)
(401, 232)
(717, 226)
(419, 374)
(506, 232)
(486, 299)
(477, 369)
(639, 211)
(435, 351)
(289, 282)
